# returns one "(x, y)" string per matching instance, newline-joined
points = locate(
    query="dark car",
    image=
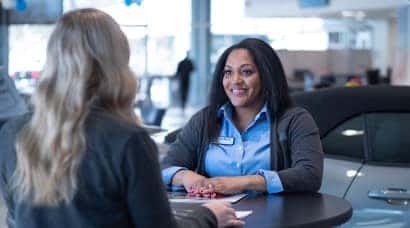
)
(365, 134)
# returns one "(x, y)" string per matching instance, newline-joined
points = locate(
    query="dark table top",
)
(290, 210)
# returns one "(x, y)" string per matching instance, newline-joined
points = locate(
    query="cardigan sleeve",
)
(306, 154)
(7, 140)
(8, 135)
(146, 197)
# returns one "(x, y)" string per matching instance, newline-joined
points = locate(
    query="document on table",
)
(243, 214)
(181, 197)
(186, 212)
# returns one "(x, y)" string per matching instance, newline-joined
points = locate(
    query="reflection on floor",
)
(175, 118)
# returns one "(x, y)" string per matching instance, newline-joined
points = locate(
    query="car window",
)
(389, 135)
(346, 139)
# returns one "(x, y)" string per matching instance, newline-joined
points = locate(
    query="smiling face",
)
(241, 80)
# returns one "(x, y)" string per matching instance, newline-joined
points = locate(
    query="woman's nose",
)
(237, 77)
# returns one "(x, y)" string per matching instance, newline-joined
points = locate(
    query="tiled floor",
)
(175, 118)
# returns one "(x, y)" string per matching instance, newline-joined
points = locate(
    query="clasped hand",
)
(221, 185)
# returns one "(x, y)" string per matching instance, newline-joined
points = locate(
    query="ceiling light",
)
(360, 15)
(347, 13)
(351, 132)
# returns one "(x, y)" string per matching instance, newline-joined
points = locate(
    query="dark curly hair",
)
(274, 84)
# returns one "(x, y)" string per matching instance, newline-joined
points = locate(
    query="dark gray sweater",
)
(119, 182)
(296, 150)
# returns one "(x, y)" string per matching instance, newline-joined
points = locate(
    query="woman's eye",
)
(247, 72)
(227, 73)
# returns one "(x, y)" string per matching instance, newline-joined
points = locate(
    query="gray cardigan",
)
(296, 150)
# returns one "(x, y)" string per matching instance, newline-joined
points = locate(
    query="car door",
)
(337, 175)
(344, 153)
(380, 194)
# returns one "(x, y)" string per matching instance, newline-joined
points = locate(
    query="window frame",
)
(366, 142)
(343, 157)
(369, 150)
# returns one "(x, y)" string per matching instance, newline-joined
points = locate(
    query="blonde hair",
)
(86, 66)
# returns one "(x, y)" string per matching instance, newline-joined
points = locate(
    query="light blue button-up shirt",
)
(239, 154)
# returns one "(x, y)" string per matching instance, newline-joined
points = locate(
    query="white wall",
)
(401, 58)
(290, 8)
(380, 50)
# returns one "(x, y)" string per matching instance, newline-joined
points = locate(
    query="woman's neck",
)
(243, 116)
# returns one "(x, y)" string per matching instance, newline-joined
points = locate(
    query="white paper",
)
(187, 199)
(243, 214)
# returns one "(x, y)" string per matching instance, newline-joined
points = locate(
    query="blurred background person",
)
(184, 70)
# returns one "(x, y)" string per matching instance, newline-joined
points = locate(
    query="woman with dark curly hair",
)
(249, 137)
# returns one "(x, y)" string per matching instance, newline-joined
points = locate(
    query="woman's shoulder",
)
(295, 114)
(293, 111)
(13, 125)
(104, 125)
(201, 113)
(8, 135)
(200, 117)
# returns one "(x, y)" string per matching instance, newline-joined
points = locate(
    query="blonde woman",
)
(80, 160)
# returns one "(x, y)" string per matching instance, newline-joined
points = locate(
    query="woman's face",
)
(241, 80)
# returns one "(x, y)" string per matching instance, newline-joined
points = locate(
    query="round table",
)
(290, 210)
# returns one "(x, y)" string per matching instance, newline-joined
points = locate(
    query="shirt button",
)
(238, 165)
(240, 148)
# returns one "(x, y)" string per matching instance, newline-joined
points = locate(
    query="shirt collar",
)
(226, 109)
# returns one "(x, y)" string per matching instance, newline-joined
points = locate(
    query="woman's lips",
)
(238, 91)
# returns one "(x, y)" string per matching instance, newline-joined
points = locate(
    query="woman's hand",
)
(188, 179)
(225, 214)
(194, 182)
(227, 185)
